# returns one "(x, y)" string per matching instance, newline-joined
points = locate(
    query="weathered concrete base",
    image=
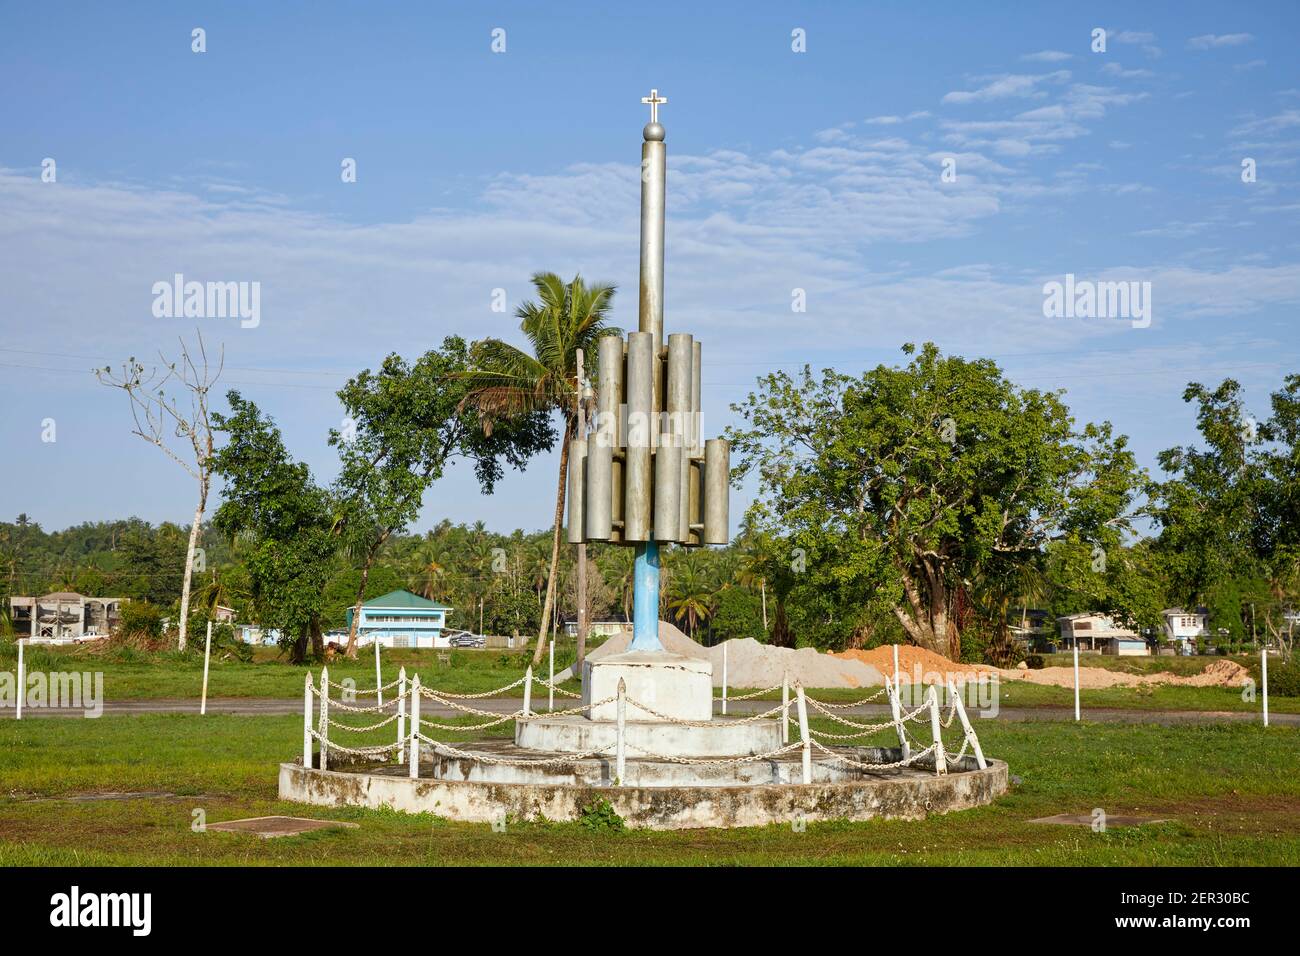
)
(679, 687)
(575, 734)
(909, 794)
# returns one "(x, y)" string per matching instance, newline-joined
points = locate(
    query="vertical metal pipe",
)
(599, 488)
(653, 176)
(697, 427)
(637, 472)
(645, 598)
(717, 478)
(695, 498)
(667, 491)
(577, 490)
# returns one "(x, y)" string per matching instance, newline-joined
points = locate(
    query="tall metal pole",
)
(582, 548)
(645, 567)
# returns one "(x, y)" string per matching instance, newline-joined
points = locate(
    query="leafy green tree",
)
(285, 520)
(506, 382)
(893, 488)
(404, 425)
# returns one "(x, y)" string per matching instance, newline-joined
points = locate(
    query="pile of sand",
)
(1223, 673)
(751, 664)
(916, 665)
(754, 665)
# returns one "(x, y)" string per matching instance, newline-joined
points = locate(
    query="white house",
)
(402, 619)
(1098, 632)
(1182, 628)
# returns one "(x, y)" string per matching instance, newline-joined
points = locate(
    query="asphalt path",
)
(274, 707)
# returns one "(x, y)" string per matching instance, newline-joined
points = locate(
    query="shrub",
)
(1034, 662)
(142, 619)
(600, 816)
(1284, 678)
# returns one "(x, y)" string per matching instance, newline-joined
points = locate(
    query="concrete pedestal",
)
(676, 686)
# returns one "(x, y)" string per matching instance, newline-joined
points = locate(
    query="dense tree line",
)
(933, 501)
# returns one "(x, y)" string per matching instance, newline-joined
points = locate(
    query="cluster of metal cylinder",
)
(645, 473)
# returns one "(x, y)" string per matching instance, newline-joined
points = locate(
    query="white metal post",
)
(207, 653)
(895, 666)
(896, 711)
(940, 758)
(528, 692)
(966, 725)
(803, 733)
(550, 690)
(724, 680)
(401, 714)
(1263, 669)
(415, 727)
(379, 680)
(620, 745)
(1076, 678)
(22, 671)
(324, 732)
(306, 724)
(785, 708)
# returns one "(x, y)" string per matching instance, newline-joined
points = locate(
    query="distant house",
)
(1099, 633)
(1182, 628)
(64, 617)
(1032, 627)
(597, 628)
(255, 634)
(223, 615)
(402, 619)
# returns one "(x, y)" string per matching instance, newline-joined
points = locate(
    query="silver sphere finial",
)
(653, 133)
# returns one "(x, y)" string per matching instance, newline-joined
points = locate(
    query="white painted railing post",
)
(401, 714)
(896, 710)
(528, 692)
(324, 732)
(1263, 673)
(966, 725)
(1076, 678)
(207, 653)
(22, 675)
(940, 758)
(379, 680)
(803, 733)
(415, 728)
(306, 724)
(550, 690)
(724, 680)
(785, 708)
(620, 746)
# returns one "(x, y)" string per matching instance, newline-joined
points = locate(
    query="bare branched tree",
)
(181, 428)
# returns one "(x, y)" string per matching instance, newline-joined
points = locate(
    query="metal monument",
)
(645, 476)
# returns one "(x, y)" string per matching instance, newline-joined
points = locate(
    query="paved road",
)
(252, 706)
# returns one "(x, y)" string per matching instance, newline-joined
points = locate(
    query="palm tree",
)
(506, 381)
(690, 594)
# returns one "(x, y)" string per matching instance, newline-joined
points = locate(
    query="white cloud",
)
(1007, 85)
(1210, 41)
(1047, 56)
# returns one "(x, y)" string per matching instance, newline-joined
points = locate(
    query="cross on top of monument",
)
(654, 100)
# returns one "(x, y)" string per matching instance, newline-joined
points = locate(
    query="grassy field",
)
(131, 675)
(1232, 793)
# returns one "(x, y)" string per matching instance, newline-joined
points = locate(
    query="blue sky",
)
(817, 171)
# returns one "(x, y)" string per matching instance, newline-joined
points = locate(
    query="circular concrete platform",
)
(899, 793)
(721, 737)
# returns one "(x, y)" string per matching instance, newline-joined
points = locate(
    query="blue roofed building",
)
(402, 619)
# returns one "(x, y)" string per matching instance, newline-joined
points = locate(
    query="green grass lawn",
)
(1231, 791)
(130, 675)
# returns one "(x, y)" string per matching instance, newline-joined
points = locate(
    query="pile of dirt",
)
(1223, 673)
(754, 665)
(751, 664)
(916, 665)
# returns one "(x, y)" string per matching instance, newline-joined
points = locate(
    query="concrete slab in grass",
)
(269, 827)
(1086, 820)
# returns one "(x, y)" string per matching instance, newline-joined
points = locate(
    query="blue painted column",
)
(645, 598)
